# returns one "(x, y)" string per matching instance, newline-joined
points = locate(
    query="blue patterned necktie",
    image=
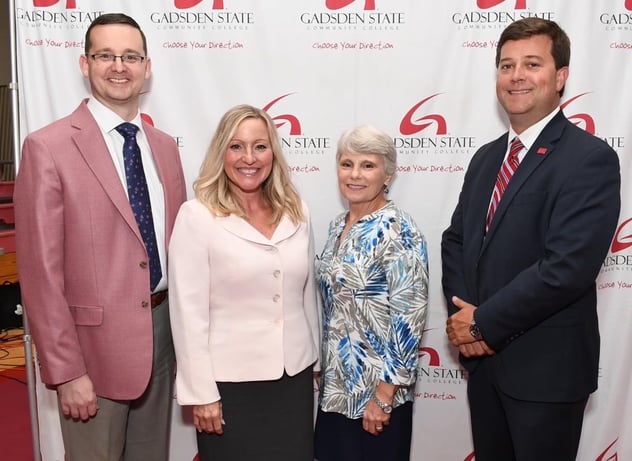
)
(138, 195)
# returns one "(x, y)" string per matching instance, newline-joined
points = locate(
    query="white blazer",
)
(243, 308)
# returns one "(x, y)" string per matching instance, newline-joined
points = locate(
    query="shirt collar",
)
(107, 119)
(528, 136)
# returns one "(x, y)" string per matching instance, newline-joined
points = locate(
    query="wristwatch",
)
(386, 408)
(475, 331)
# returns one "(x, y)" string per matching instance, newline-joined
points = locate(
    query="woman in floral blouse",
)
(373, 280)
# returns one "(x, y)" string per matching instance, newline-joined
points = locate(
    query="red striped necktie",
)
(507, 170)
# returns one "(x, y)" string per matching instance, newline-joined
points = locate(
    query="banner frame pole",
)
(28, 347)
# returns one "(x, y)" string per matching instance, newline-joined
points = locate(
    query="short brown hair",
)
(528, 27)
(113, 18)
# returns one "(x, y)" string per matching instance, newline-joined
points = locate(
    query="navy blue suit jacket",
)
(533, 275)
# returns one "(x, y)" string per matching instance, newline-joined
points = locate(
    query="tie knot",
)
(128, 130)
(516, 147)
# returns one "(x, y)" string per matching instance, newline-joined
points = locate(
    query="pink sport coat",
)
(81, 260)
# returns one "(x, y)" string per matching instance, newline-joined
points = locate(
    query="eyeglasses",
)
(125, 58)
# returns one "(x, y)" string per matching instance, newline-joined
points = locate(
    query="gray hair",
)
(367, 139)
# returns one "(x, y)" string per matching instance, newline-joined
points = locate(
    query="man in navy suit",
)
(519, 267)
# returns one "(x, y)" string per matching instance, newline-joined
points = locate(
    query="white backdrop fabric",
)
(421, 70)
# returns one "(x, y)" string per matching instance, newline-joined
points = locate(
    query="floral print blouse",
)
(374, 290)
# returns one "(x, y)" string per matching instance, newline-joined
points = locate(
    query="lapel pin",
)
(541, 150)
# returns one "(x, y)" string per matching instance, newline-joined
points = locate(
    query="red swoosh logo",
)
(337, 4)
(184, 4)
(70, 4)
(520, 4)
(409, 126)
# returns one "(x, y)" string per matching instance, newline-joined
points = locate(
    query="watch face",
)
(475, 332)
(386, 408)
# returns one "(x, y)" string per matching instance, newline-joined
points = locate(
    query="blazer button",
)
(143, 264)
(276, 274)
(145, 304)
(276, 298)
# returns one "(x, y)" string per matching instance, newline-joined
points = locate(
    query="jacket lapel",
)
(488, 174)
(90, 143)
(542, 148)
(241, 228)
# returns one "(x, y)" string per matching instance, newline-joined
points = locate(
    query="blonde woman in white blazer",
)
(242, 299)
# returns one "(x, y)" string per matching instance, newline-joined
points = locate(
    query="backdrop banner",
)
(422, 71)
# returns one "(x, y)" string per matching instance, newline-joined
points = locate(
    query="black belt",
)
(158, 298)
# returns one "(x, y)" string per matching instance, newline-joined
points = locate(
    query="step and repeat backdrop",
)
(422, 71)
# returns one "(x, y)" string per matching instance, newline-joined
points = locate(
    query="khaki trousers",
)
(136, 430)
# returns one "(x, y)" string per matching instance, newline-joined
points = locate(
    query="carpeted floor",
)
(15, 429)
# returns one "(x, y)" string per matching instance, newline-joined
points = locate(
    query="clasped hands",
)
(458, 330)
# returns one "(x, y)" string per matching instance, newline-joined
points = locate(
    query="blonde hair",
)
(212, 187)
